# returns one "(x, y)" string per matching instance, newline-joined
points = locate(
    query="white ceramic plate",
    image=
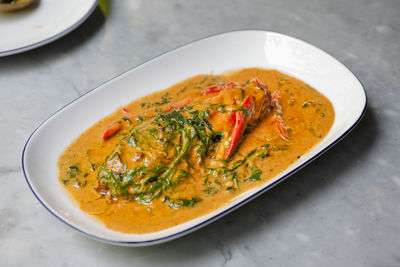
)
(33, 27)
(219, 53)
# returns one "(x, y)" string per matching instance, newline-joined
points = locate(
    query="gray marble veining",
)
(341, 210)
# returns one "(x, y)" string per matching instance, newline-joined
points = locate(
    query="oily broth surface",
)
(306, 112)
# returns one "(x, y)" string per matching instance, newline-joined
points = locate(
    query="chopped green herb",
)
(262, 151)
(204, 79)
(187, 130)
(92, 166)
(126, 119)
(210, 191)
(182, 174)
(73, 171)
(280, 148)
(153, 131)
(255, 176)
(164, 100)
(182, 90)
(178, 203)
(310, 103)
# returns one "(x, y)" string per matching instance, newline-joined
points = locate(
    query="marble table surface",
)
(341, 210)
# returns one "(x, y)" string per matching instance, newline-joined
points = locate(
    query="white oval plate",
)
(219, 53)
(36, 26)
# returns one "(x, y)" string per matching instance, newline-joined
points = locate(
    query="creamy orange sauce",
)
(307, 115)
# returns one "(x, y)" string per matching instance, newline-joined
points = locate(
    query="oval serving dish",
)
(218, 54)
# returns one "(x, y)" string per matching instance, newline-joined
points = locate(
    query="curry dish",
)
(183, 152)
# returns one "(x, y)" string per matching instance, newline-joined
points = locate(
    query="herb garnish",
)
(186, 130)
(178, 203)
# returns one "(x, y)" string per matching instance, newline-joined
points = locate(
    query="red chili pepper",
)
(230, 84)
(238, 130)
(241, 121)
(211, 90)
(124, 110)
(113, 129)
(172, 107)
(178, 105)
(232, 118)
(248, 103)
(217, 88)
